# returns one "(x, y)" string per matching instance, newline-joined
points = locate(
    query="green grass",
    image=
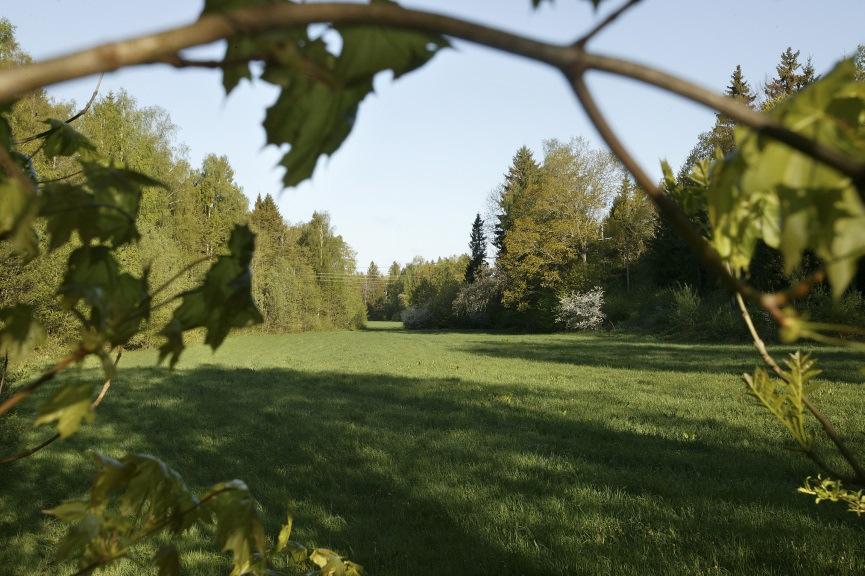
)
(471, 453)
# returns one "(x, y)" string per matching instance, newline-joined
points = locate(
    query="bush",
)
(418, 318)
(581, 310)
(476, 303)
(685, 307)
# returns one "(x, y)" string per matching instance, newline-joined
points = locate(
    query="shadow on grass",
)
(645, 354)
(444, 476)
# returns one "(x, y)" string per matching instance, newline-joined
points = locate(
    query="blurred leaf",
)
(68, 512)
(238, 526)
(79, 537)
(222, 302)
(18, 209)
(64, 140)
(766, 190)
(68, 406)
(328, 561)
(104, 209)
(20, 332)
(321, 93)
(118, 301)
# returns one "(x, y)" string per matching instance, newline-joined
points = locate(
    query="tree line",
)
(186, 219)
(573, 221)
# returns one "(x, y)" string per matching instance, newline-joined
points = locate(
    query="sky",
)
(428, 149)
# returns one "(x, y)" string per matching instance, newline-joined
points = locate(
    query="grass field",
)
(472, 453)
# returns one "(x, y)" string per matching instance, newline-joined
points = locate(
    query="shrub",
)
(418, 318)
(475, 303)
(685, 307)
(581, 310)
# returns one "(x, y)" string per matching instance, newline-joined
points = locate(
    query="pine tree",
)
(477, 249)
(521, 176)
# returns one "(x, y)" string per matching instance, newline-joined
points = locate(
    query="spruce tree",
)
(521, 175)
(477, 249)
(791, 76)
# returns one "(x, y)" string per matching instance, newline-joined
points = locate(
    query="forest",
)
(573, 224)
(622, 374)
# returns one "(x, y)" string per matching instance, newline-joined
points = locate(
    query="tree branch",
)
(668, 207)
(217, 26)
(742, 114)
(573, 60)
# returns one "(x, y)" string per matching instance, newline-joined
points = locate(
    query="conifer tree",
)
(477, 250)
(521, 176)
(791, 76)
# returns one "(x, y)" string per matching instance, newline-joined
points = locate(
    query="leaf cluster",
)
(137, 498)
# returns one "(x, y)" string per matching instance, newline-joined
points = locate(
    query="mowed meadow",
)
(469, 453)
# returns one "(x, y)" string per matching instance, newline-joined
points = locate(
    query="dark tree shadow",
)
(449, 476)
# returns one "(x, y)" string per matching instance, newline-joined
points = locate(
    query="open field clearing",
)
(471, 453)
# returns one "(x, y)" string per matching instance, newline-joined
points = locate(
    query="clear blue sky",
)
(427, 149)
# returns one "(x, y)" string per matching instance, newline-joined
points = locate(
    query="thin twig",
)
(69, 120)
(828, 428)
(93, 406)
(59, 178)
(605, 22)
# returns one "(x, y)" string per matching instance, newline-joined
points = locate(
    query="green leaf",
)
(238, 526)
(20, 332)
(368, 50)
(140, 482)
(167, 560)
(64, 140)
(222, 302)
(69, 405)
(321, 93)
(103, 210)
(766, 190)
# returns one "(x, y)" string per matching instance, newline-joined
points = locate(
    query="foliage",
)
(477, 304)
(136, 498)
(785, 398)
(581, 310)
(826, 489)
(766, 190)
